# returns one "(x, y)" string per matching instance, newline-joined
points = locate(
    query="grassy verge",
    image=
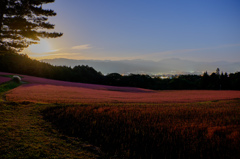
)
(8, 86)
(25, 134)
(10, 76)
(4, 87)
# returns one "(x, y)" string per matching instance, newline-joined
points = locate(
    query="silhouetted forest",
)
(22, 64)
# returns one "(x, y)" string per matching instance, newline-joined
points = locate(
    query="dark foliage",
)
(22, 64)
(23, 22)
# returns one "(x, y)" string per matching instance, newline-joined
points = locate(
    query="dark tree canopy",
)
(23, 22)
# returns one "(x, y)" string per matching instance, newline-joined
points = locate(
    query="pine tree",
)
(218, 72)
(24, 22)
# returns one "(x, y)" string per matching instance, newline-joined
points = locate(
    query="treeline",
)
(22, 64)
(190, 82)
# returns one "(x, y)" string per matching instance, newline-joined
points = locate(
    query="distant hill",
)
(167, 66)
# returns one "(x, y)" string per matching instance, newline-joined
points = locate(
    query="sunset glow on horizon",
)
(42, 47)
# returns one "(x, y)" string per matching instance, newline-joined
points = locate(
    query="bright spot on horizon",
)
(43, 47)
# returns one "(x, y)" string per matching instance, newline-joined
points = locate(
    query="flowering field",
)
(53, 91)
(68, 94)
(170, 130)
(127, 122)
(4, 79)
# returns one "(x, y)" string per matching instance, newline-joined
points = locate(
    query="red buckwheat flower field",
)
(4, 79)
(128, 122)
(53, 91)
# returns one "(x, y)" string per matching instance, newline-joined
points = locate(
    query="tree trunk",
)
(3, 5)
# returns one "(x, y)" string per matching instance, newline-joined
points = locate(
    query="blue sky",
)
(206, 30)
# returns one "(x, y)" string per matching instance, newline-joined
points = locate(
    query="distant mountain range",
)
(167, 66)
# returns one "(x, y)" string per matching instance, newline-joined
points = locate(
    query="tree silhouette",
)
(205, 81)
(218, 71)
(23, 22)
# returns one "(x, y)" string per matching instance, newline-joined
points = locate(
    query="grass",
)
(8, 86)
(10, 76)
(25, 134)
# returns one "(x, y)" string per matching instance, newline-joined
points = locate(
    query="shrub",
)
(16, 79)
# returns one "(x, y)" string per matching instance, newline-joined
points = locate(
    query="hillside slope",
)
(53, 91)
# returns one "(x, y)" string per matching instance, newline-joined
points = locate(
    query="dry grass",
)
(24, 134)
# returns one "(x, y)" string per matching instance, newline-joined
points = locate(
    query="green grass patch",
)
(10, 76)
(24, 134)
(8, 86)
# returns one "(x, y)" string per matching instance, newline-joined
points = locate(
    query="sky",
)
(206, 30)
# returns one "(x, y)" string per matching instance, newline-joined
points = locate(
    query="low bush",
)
(16, 79)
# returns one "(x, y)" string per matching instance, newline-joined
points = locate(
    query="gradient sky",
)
(198, 30)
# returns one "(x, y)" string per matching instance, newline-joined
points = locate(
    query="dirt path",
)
(25, 134)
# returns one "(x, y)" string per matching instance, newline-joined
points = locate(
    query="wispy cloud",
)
(224, 46)
(82, 47)
(60, 55)
(180, 51)
(156, 55)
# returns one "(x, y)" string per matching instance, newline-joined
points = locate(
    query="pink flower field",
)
(4, 79)
(52, 91)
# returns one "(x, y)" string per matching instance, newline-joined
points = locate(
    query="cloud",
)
(162, 54)
(82, 47)
(59, 55)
